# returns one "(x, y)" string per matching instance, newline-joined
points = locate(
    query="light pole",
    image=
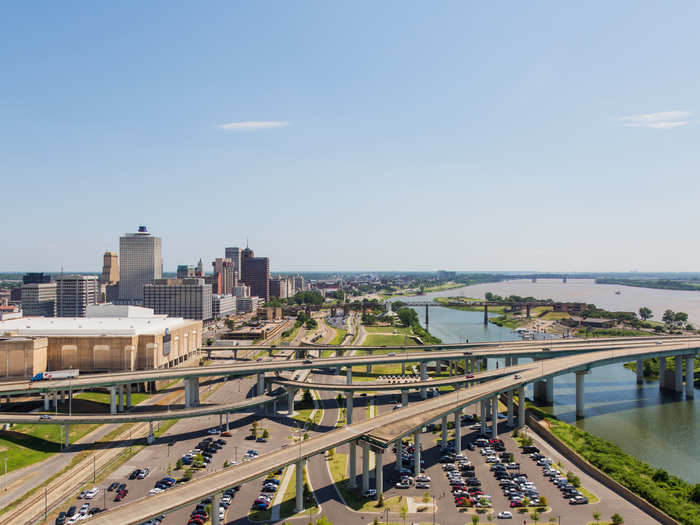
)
(5, 477)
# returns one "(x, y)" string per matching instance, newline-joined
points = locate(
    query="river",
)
(662, 429)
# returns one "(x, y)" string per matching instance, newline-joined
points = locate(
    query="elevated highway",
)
(377, 434)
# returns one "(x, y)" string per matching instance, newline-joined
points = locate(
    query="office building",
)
(224, 268)
(255, 272)
(36, 278)
(222, 305)
(298, 284)
(39, 299)
(185, 271)
(200, 269)
(140, 262)
(110, 268)
(188, 298)
(278, 287)
(74, 293)
(241, 290)
(248, 304)
(234, 253)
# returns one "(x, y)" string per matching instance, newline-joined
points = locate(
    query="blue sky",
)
(358, 135)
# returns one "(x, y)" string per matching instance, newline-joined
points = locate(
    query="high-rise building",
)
(140, 262)
(74, 293)
(234, 253)
(225, 268)
(36, 278)
(188, 298)
(39, 299)
(255, 272)
(110, 268)
(298, 284)
(185, 271)
(278, 287)
(200, 269)
(222, 305)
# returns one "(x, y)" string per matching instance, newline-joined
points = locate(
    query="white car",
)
(84, 509)
(505, 515)
(213, 431)
(369, 493)
(91, 493)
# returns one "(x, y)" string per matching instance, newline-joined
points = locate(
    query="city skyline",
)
(467, 137)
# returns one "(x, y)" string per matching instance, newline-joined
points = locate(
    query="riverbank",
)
(659, 284)
(650, 368)
(672, 495)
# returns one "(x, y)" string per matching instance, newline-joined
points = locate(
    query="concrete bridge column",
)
(458, 431)
(369, 365)
(188, 392)
(494, 416)
(662, 372)
(579, 393)
(300, 485)
(513, 361)
(128, 395)
(46, 401)
(221, 422)
(399, 455)
(486, 314)
(478, 365)
(466, 362)
(549, 390)
(63, 397)
(365, 466)
(291, 392)
(261, 384)
(689, 376)
(483, 417)
(403, 368)
(66, 433)
(55, 399)
(521, 406)
(151, 437)
(121, 395)
(423, 377)
(227, 427)
(195, 390)
(215, 500)
(444, 433)
(112, 400)
(509, 397)
(379, 472)
(416, 453)
(349, 402)
(348, 375)
(678, 374)
(404, 398)
(640, 371)
(353, 464)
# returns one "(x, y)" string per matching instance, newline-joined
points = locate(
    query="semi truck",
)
(56, 374)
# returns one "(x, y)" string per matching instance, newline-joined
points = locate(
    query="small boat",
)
(618, 292)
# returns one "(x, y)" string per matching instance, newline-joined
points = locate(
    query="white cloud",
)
(253, 125)
(662, 120)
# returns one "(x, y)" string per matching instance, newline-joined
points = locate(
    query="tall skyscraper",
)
(74, 293)
(140, 262)
(255, 272)
(234, 253)
(110, 268)
(224, 268)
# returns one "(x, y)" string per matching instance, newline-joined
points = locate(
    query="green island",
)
(673, 495)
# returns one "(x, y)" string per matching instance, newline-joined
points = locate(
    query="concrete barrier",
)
(598, 475)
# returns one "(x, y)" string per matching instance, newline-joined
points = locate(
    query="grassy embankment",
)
(676, 497)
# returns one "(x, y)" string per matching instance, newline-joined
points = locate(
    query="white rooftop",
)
(90, 326)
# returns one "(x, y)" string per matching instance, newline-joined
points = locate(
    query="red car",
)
(516, 503)
(469, 376)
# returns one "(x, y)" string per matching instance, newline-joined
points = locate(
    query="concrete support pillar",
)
(483, 417)
(509, 397)
(300, 485)
(349, 402)
(215, 501)
(63, 397)
(379, 472)
(403, 368)
(689, 377)
(478, 365)
(261, 384)
(365, 466)
(423, 377)
(55, 399)
(195, 391)
(579, 393)
(151, 437)
(640, 371)
(46, 401)
(348, 375)
(416, 454)
(444, 432)
(291, 392)
(120, 398)
(458, 431)
(662, 372)
(221, 422)
(521, 406)
(369, 368)
(112, 400)
(404, 398)
(399, 455)
(128, 396)
(678, 374)
(353, 464)
(513, 361)
(227, 426)
(494, 417)
(66, 432)
(549, 390)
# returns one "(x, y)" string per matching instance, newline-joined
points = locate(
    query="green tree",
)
(669, 317)
(307, 397)
(380, 501)
(596, 515)
(680, 317)
(404, 512)
(178, 464)
(660, 475)
(407, 316)
(475, 519)
(209, 341)
(616, 519)
(266, 433)
(543, 501)
(645, 313)
(695, 494)
(535, 515)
